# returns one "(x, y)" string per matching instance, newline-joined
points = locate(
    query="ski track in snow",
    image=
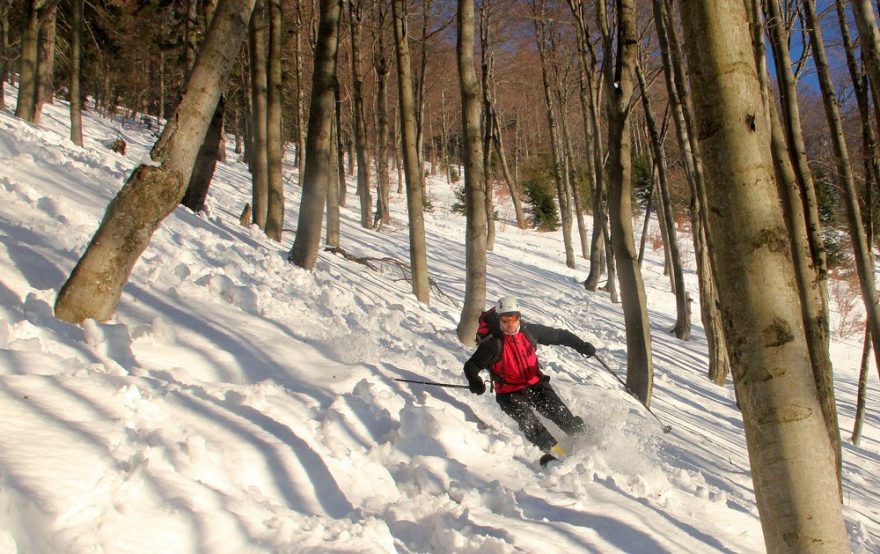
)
(237, 403)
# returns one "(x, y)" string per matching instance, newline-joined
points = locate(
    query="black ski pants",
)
(521, 405)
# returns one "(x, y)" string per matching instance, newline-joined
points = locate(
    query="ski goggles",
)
(509, 318)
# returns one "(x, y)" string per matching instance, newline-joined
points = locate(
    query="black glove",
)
(586, 349)
(476, 385)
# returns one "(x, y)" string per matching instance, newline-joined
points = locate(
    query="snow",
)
(239, 404)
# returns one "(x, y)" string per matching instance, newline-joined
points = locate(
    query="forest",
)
(750, 127)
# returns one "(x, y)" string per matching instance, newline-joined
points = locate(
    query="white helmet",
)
(507, 305)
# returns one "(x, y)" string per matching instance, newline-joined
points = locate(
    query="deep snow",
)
(238, 403)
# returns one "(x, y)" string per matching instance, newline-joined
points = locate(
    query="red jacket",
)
(513, 359)
(518, 367)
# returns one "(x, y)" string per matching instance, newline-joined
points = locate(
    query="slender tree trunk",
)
(512, 185)
(356, 13)
(540, 25)
(274, 138)
(475, 233)
(791, 458)
(319, 146)
(862, 391)
(682, 115)
(298, 94)
(76, 28)
(332, 230)
(640, 371)
(683, 314)
(858, 235)
(866, 21)
(5, 5)
(414, 198)
(153, 191)
(383, 203)
(260, 155)
(486, 65)
(46, 64)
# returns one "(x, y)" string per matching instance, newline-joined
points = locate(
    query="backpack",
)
(488, 326)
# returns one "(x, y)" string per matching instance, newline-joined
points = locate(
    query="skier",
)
(507, 347)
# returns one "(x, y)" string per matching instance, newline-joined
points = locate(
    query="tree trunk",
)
(791, 458)
(540, 25)
(259, 132)
(356, 13)
(414, 198)
(486, 65)
(332, 230)
(682, 115)
(319, 146)
(640, 371)
(383, 181)
(46, 63)
(866, 21)
(274, 139)
(512, 185)
(153, 191)
(858, 235)
(5, 5)
(299, 116)
(683, 314)
(206, 163)
(27, 76)
(76, 31)
(475, 233)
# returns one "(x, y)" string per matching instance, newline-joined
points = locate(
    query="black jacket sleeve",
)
(553, 336)
(480, 359)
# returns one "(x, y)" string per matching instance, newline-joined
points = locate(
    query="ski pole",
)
(666, 428)
(432, 383)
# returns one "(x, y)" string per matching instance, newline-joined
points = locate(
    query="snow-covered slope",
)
(240, 404)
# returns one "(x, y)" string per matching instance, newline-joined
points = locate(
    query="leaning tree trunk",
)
(414, 199)
(512, 185)
(153, 191)
(640, 372)
(866, 21)
(274, 139)
(858, 235)
(683, 314)
(76, 31)
(791, 458)
(319, 145)
(475, 232)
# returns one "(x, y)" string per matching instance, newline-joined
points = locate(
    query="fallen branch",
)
(371, 263)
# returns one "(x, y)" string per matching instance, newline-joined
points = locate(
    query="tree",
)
(357, 12)
(153, 191)
(639, 376)
(791, 457)
(541, 26)
(683, 314)
(475, 196)
(76, 31)
(319, 146)
(274, 140)
(259, 157)
(414, 197)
